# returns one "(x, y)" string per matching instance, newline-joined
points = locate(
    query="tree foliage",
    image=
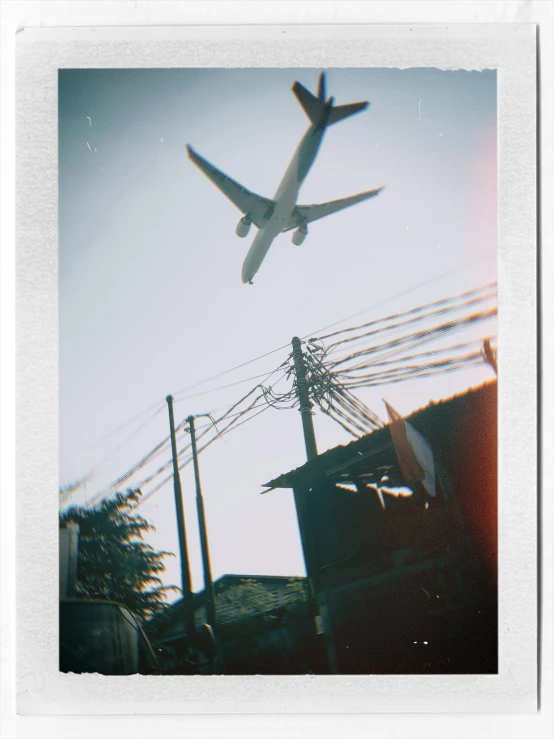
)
(114, 561)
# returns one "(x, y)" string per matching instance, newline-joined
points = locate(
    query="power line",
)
(431, 353)
(222, 387)
(266, 375)
(409, 373)
(333, 389)
(334, 401)
(137, 466)
(336, 323)
(113, 431)
(399, 295)
(438, 308)
(273, 351)
(159, 447)
(342, 406)
(68, 489)
(124, 443)
(66, 492)
(340, 401)
(189, 459)
(226, 372)
(416, 339)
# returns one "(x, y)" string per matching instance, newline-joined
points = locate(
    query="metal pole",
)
(185, 571)
(208, 582)
(304, 398)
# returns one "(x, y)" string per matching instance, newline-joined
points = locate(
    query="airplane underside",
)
(281, 214)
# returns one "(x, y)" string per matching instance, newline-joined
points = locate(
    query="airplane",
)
(281, 214)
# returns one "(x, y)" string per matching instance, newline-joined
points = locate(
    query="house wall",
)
(379, 611)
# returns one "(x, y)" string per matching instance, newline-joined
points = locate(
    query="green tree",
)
(114, 562)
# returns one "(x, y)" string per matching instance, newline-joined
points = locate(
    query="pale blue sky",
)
(151, 298)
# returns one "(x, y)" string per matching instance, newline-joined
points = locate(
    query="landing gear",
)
(250, 282)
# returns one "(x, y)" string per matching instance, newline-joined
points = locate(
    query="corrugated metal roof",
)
(344, 456)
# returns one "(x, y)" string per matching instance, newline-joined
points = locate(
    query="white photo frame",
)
(511, 49)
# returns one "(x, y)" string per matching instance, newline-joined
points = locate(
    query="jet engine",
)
(243, 227)
(299, 235)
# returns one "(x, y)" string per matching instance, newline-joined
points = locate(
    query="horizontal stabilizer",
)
(312, 106)
(340, 112)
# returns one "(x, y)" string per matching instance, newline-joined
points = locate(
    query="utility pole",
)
(323, 621)
(304, 398)
(185, 571)
(208, 582)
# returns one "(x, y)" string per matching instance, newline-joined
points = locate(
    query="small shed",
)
(405, 582)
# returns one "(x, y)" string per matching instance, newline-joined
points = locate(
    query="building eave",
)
(345, 456)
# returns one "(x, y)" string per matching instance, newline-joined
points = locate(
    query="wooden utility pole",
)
(185, 571)
(304, 398)
(208, 582)
(320, 596)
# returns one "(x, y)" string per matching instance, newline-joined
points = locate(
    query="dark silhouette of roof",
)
(379, 441)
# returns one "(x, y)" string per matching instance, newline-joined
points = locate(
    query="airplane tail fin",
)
(314, 106)
(340, 112)
(321, 87)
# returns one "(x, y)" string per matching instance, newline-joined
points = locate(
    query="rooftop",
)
(377, 443)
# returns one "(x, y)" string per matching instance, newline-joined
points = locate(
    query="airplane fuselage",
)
(287, 195)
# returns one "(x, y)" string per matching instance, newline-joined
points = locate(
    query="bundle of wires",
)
(256, 401)
(333, 398)
(378, 352)
(382, 351)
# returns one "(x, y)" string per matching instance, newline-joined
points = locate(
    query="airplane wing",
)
(303, 214)
(258, 209)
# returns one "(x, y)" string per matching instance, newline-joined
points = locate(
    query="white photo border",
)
(511, 49)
